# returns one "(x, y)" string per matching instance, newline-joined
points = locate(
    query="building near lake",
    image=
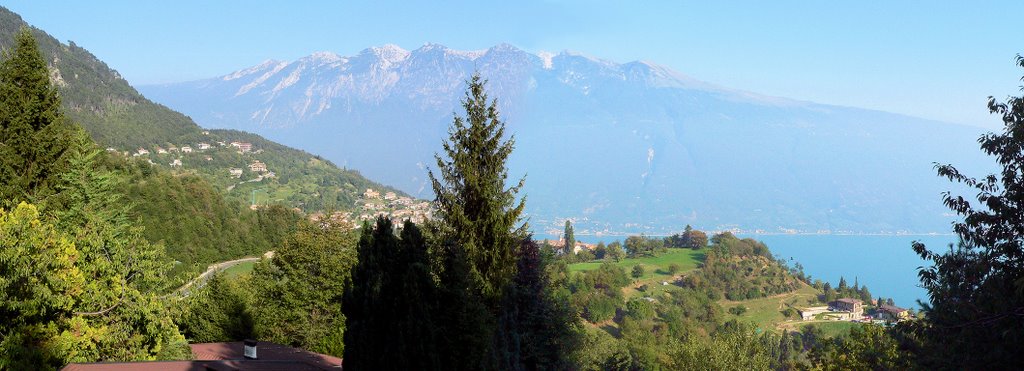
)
(892, 313)
(808, 313)
(258, 166)
(854, 306)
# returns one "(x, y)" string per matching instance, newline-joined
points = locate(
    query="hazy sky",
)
(932, 59)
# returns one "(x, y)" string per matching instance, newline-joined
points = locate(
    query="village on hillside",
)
(374, 204)
(371, 203)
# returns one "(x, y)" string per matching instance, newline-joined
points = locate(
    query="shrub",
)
(638, 271)
(739, 310)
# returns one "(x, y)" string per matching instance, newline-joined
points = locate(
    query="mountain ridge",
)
(794, 165)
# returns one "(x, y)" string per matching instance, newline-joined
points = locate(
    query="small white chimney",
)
(250, 349)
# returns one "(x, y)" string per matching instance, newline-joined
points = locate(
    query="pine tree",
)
(475, 209)
(842, 286)
(34, 137)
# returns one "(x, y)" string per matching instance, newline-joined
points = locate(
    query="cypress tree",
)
(570, 238)
(365, 306)
(475, 209)
(389, 306)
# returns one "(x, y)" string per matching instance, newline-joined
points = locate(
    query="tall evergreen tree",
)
(570, 238)
(34, 136)
(976, 288)
(475, 209)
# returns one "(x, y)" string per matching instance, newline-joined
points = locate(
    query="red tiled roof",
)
(849, 300)
(247, 365)
(228, 356)
(892, 309)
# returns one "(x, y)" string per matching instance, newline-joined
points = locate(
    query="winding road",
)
(213, 268)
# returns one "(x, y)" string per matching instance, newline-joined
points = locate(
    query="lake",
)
(886, 264)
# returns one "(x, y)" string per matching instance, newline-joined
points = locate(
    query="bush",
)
(638, 271)
(739, 310)
(673, 268)
(599, 309)
(640, 309)
(585, 256)
(790, 313)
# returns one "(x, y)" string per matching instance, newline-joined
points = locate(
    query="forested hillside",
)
(188, 201)
(117, 117)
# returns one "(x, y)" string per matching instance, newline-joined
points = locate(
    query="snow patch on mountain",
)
(546, 59)
(251, 70)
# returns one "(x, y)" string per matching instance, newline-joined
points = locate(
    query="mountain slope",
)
(197, 210)
(632, 147)
(118, 117)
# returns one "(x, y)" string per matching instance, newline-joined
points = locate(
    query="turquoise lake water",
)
(886, 264)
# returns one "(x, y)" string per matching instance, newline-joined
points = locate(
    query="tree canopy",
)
(976, 288)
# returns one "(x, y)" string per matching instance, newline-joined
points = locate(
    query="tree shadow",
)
(612, 330)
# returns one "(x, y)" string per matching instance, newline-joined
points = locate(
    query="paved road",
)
(202, 278)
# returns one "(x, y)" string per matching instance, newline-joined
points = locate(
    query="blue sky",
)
(937, 60)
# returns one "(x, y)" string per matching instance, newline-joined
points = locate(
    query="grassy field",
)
(766, 313)
(238, 270)
(654, 267)
(834, 328)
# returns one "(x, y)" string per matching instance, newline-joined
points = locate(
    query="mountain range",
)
(617, 147)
